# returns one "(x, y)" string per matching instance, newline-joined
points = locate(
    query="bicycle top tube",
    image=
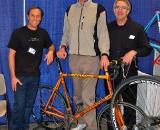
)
(114, 64)
(154, 45)
(153, 20)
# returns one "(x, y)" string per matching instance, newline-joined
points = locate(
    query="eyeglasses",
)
(121, 7)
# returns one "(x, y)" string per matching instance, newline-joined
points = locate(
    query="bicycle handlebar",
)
(115, 66)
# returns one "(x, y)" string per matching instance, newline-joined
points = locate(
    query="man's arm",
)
(66, 31)
(50, 54)
(14, 79)
(104, 42)
(62, 52)
(12, 62)
(142, 50)
(52, 48)
(129, 56)
(62, 49)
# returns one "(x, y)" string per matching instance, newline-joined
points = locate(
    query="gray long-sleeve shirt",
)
(79, 30)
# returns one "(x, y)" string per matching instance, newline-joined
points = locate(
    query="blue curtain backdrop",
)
(11, 17)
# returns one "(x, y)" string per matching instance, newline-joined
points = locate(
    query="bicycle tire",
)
(143, 115)
(103, 118)
(49, 121)
(104, 121)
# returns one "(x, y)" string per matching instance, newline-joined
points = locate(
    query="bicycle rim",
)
(103, 119)
(143, 114)
(47, 120)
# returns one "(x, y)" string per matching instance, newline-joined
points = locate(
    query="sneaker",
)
(79, 127)
(79, 107)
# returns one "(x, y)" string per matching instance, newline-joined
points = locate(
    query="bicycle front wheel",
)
(141, 95)
(103, 119)
(46, 120)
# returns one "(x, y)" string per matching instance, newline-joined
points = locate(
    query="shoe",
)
(79, 107)
(79, 127)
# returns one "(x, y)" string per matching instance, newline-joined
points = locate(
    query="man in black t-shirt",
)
(25, 53)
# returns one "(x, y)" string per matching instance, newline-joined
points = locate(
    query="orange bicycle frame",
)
(49, 109)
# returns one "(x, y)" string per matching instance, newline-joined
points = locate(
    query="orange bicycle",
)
(58, 109)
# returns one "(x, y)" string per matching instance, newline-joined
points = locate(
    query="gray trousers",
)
(84, 88)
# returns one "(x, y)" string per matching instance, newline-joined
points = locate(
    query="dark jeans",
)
(24, 99)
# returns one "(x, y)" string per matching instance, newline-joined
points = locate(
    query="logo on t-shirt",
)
(33, 39)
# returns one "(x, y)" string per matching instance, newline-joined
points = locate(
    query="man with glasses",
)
(127, 41)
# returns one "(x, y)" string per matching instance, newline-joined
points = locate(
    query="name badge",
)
(131, 37)
(31, 51)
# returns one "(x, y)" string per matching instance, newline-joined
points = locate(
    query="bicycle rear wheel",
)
(47, 120)
(143, 111)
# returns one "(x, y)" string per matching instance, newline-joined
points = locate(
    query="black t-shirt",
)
(28, 45)
(130, 36)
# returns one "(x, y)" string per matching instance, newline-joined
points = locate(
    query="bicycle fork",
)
(118, 112)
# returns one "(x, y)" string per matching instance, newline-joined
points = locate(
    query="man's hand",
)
(104, 61)
(49, 57)
(62, 53)
(15, 81)
(128, 57)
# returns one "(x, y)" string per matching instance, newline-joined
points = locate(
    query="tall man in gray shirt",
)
(86, 35)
